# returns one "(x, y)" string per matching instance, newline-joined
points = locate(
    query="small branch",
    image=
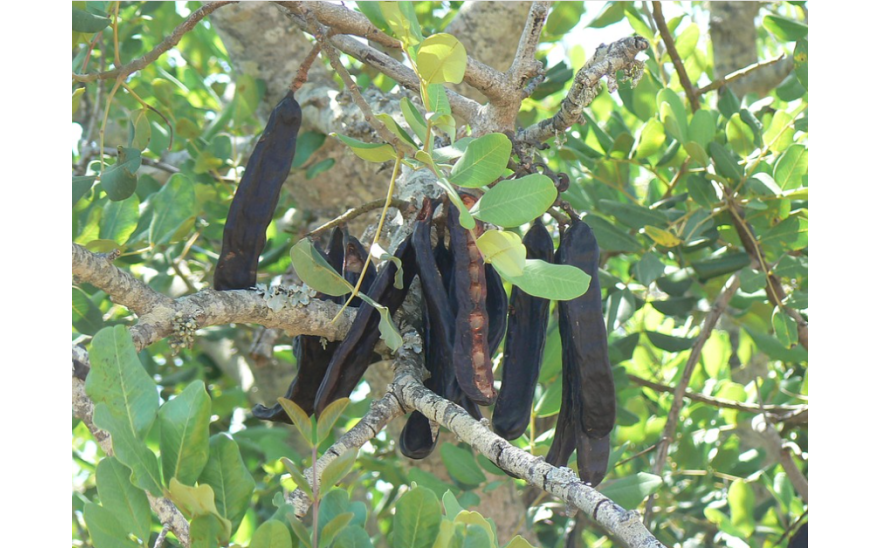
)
(658, 16)
(303, 71)
(354, 212)
(406, 393)
(524, 64)
(781, 413)
(673, 418)
(738, 74)
(169, 42)
(606, 61)
(783, 451)
(84, 408)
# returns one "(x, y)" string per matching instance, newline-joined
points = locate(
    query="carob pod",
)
(244, 234)
(471, 355)
(417, 439)
(586, 367)
(496, 308)
(313, 356)
(524, 346)
(355, 353)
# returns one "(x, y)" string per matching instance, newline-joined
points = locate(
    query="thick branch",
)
(673, 418)
(165, 45)
(524, 64)
(409, 394)
(606, 61)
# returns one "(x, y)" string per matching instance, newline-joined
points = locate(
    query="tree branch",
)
(738, 74)
(658, 16)
(673, 418)
(606, 61)
(407, 393)
(525, 65)
(783, 452)
(169, 42)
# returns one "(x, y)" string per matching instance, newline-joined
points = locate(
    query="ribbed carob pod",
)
(244, 234)
(587, 415)
(524, 346)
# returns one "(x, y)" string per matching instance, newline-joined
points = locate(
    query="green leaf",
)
(512, 203)
(352, 536)
(612, 13)
(120, 180)
(118, 380)
(298, 477)
(785, 328)
(484, 161)
(800, 56)
(105, 529)
(785, 29)
(648, 269)
(338, 468)
(612, 238)
(742, 501)
(271, 534)
(470, 519)
(725, 263)
(504, 250)
(417, 519)
(388, 332)
(333, 527)
(551, 399)
(461, 465)
(441, 58)
(474, 536)
(791, 234)
(307, 143)
(726, 165)
(414, 118)
(519, 542)
(670, 343)
(183, 441)
(651, 139)
(792, 167)
(372, 152)
(329, 417)
(228, 476)
(392, 125)
(128, 504)
(630, 491)
(300, 419)
(87, 318)
(249, 92)
(76, 98)
(207, 532)
(465, 218)
(84, 21)
(551, 281)
(373, 12)
(315, 272)
(174, 207)
(320, 167)
(81, 186)
(130, 448)
(438, 103)
(140, 130)
(195, 502)
(752, 280)
(702, 191)
(779, 134)
(450, 504)
(662, 237)
(634, 215)
(300, 530)
(740, 136)
(562, 19)
(119, 220)
(702, 127)
(673, 114)
(402, 21)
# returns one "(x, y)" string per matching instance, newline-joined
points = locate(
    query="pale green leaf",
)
(551, 281)
(315, 272)
(329, 417)
(514, 202)
(183, 439)
(441, 58)
(372, 152)
(484, 161)
(504, 250)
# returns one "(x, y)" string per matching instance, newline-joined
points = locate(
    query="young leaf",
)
(474, 518)
(512, 203)
(504, 250)
(337, 469)
(298, 477)
(313, 269)
(441, 58)
(673, 114)
(451, 505)
(392, 125)
(417, 519)
(414, 119)
(329, 417)
(484, 161)
(333, 527)
(519, 542)
(742, 500)
(300, 419)
(300, 530)
(387, 330)
(372, 152)
(662, 237)
(183, 439)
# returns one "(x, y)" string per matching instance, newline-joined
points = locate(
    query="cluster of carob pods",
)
(465, 317)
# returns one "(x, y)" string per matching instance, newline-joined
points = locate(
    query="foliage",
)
(666, 190)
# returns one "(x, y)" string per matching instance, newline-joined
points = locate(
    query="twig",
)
(738, 74)
(360, 210)
(160, 540)
(524, 65)
(783, 452)
(658, 16)
(407, 393)
(165, 45)
(606, 61)
(673, 417)
(303, 71)
(781, 413)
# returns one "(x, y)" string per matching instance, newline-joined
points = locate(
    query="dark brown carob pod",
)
(524, 346)
(471, 355)
(586, 364)
(312, 354)
(244, 234)
(496, 308)
(355, 353)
